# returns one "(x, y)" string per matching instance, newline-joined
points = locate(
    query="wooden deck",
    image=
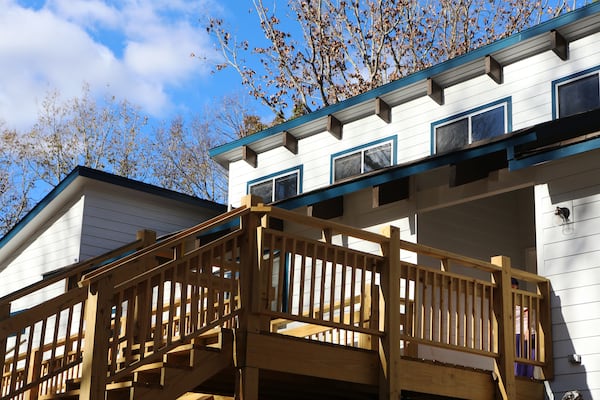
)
(266, 303)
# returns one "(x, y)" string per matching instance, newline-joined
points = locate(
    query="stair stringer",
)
(207, 362)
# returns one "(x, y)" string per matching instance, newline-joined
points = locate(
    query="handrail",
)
(71, 271)
(170, 242)
(68, 308)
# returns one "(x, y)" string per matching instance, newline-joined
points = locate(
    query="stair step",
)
(72, 394)
(150, 375)
(119, 390)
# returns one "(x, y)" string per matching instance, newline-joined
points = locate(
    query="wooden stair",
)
(180, 372)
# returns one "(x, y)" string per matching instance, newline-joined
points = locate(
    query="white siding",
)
(58, 245)
(112, 218)
(569, 255)
(497, 225)
(527, 82)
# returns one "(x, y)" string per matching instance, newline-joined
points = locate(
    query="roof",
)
(526, 147)
(572, 26)
(84, 172)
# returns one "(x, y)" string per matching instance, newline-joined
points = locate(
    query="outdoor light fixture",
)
(575, 358)
(563, 213)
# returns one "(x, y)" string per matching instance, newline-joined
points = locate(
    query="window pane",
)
(452, 136)
(347, 166)
(264, 190)
(378, 157)
(488, 124)
(578, 96)
(286, 186)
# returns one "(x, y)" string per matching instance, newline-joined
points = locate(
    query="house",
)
(88, 214)
(493, 152)
(371, 251)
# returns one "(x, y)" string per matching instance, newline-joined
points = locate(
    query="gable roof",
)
(64, 191)
(537, 39)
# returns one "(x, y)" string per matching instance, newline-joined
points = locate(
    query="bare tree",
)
(320, 52)
(79, 131)
(15, 184)
(181, 159)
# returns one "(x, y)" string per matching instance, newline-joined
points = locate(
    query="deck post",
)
(545, 336)
(97, 336)
(246, 384)
(4, 315)
(251, 294)
(389, 349)
(504, 310)
(146, 236)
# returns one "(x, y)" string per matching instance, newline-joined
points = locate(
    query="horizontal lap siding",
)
(112, 219)
(527, 82)
(569, 255)
(57, 246)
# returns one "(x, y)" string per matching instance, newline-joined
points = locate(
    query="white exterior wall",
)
(528, 83)
(112, 218)
(569, 255)
(57, 246)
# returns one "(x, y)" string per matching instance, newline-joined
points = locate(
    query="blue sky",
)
(139, 50)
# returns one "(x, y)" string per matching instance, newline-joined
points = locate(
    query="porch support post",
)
(246, 384)
(545, 336)
(389, 349)
(252, 294)
(4, 315)
(504, 310)
(96, 345)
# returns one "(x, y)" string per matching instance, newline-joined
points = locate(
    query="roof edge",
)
(86, 172)
(516, 38)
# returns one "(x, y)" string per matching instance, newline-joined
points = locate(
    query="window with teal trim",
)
(577, 93)
(361, 160)
(276, 187)
(482, 123)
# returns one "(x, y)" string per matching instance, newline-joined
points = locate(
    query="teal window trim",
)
(392, 139)
(566, 79)
(299, 169)
(507, 101)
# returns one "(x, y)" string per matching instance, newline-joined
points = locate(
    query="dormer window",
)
(278, 186)
(460, 130)
(363, 159)
(576, 93)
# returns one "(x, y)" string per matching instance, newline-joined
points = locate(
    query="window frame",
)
(393, 140)
(505, 102)
(273, 177)
(556, 84)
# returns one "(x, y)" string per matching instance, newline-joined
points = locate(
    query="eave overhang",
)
(548, 35)
(527, 147)
(70, 186)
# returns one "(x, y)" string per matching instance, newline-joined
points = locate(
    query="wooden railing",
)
(124, 314)
(301, 279)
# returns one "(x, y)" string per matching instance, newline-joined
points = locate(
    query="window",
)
(482, 123)
(576, 93)
(278, 186)
(367, 158)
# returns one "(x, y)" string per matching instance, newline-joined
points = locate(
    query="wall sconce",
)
(563, 213)
(574, 358)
